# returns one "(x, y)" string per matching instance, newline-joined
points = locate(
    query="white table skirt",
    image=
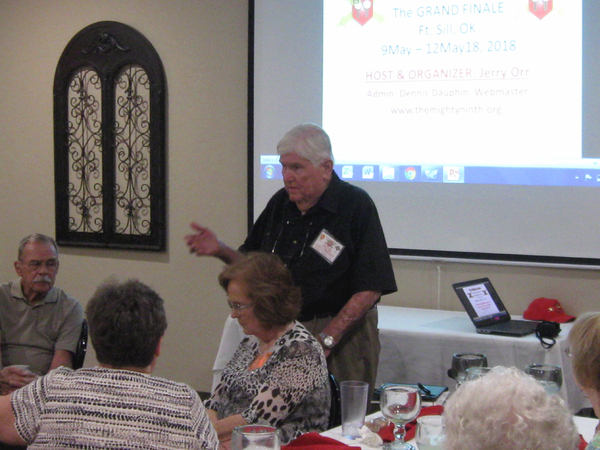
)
(417, 346)
(230, 339)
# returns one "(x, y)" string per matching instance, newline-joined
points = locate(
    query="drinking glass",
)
(255, 437)
(476, 372)
(550, 376)
(430, 432)
(400, 404)
(462, 361)
(354, 395)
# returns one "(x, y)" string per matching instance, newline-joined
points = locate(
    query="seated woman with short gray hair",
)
(507, 409)
(118, 404)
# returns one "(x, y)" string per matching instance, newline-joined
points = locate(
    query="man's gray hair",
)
(36, 237)
(309, 141)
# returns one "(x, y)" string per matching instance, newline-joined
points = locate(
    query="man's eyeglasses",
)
(237, 306)
(51, 264)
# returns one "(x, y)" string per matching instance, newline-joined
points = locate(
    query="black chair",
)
(79, 355)
(335, 412)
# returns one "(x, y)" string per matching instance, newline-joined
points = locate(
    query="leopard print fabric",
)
(290, 391)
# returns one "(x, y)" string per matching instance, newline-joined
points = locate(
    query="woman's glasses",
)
(237, 306)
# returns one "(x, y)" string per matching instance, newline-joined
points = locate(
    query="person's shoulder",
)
(353, 190)
(278, 197)
(5, 289)
(59, 375)
(182, 389)
(340, 186)
(276, 204)
(63, 295)
(347, 197)
(12, 288)
(302, 337)
(300, 332)
(65, 298)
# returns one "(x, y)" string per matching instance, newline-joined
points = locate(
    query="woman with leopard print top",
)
(278, 375)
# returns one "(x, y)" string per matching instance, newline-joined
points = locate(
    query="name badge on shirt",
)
(327, 246)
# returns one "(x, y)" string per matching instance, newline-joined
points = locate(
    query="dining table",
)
(417, 347)
(585, 426)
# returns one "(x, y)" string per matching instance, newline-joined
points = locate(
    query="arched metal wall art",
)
(109, 140)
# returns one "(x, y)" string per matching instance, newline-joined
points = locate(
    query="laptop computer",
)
(487, 312)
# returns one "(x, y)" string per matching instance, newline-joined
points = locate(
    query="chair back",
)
(79, 355)
(335, 412)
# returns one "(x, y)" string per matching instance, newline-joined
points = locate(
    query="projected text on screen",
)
(461, 92)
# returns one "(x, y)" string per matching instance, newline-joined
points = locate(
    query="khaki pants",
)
(356, 356)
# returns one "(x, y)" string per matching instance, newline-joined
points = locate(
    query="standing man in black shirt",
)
(329, 235)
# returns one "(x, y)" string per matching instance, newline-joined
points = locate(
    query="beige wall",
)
(203, 45)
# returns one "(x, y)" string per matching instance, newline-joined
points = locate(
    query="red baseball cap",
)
(546, 309)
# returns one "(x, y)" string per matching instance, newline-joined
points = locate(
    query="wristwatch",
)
(326, 340)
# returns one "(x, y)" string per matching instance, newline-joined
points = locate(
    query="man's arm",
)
(8, 430)
(14, 377)
(354, 310)
(205, 243)
(62, 358)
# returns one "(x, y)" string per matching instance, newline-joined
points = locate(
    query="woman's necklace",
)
(263, 349)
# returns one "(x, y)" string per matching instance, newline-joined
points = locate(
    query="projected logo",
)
(269, 172)
(540, 8)
(347, 171)
(432, 174)
(410, 173)
(388, 173)
(454, 174)
(368, 172)
(362, 10)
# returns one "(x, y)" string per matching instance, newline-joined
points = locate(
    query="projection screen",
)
(472, 125)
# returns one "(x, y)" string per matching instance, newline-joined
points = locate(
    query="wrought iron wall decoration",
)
(109, 140)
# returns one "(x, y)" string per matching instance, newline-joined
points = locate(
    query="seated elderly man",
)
(507, 409)
(39, 323)
(120, 404)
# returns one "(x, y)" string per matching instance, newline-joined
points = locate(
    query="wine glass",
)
(550, 376)
(252, 437)
(476, 372)
(400, 404)
(462, 361)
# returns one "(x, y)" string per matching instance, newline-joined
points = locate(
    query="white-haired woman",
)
(507, 409)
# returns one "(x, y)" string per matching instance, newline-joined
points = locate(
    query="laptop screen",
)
(481, 301)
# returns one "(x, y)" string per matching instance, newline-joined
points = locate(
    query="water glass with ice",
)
(550, 376)
(255, 437)
(430, 432)
(354, 395)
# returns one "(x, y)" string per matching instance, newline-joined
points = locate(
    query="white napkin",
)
(369, 438)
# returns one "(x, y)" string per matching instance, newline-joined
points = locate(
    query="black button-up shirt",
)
(350, 217)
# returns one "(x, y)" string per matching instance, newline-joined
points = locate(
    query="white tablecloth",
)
(585, 426)
(417, 346)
